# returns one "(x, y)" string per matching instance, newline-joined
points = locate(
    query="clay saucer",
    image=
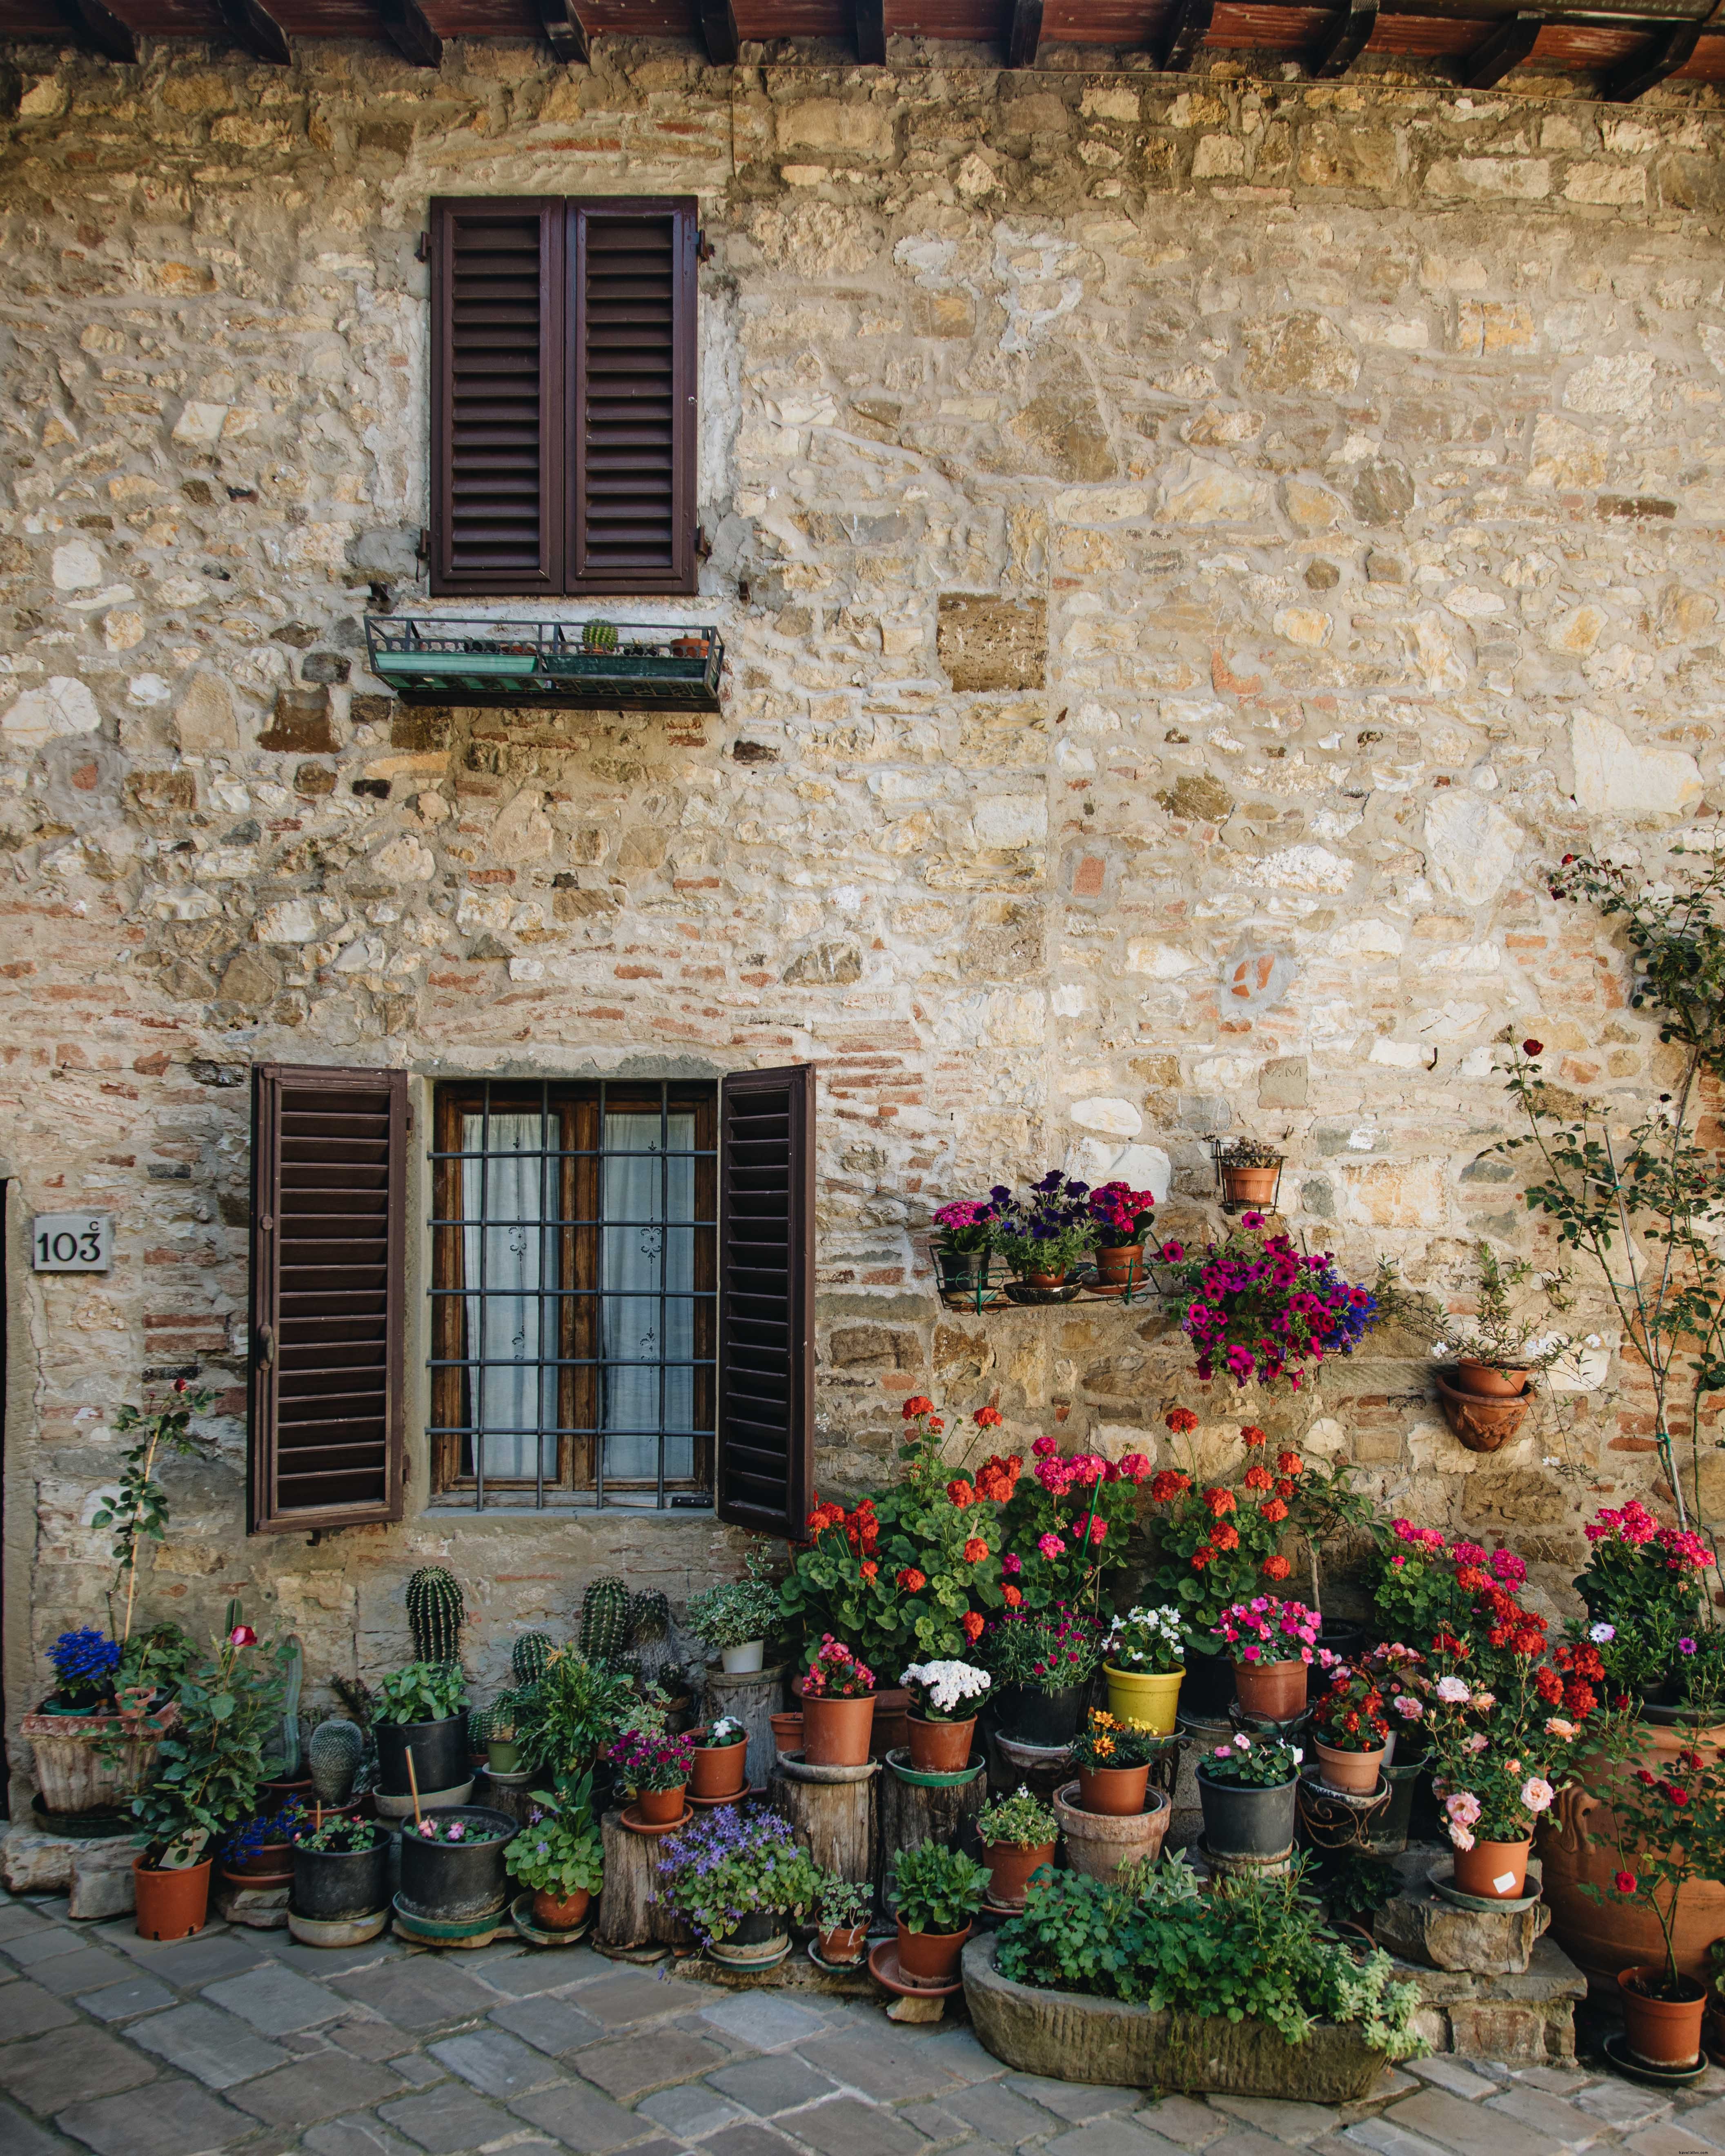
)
(636, 1824)
(1624, 2061)
(836, 1967)
(883, 1967)
(521, 1914)
(712, 1804)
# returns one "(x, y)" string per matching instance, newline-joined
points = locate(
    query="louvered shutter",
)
(766, 1420)
(498, 395)
(328, 1298)
(632, 392)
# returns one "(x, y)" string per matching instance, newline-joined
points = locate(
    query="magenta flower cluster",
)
(1059, 1473)
(1258, 1308)
(1635, 1525)
(1268, 1628)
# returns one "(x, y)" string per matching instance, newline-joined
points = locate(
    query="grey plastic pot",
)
(1239, 1821)
(447, 1883)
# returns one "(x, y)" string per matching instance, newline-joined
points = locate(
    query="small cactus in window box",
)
(435, 1613)
(598, 636)
(334, 1750)
(604, 1636)
(528, 1656)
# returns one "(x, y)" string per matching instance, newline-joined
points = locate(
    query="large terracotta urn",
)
(1578, 1846)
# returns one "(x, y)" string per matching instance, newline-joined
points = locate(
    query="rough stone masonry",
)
(1190, 553)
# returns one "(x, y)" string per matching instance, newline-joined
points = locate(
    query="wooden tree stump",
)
(909, 1816)
(753, 1698)
(834, 1821)
(632, 1910)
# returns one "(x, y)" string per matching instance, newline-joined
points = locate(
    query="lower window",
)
(574, 1293)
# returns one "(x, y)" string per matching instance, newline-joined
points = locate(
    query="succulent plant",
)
(604, 1636)
(335, 1748)
(528, 1656)
(435, 1612)
(648, 1618)
(294, 1675)
(598, 636)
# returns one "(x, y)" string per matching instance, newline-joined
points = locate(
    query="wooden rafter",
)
(718, 26)
(871, 33)
(564, 31)
(100, 29)
(1507, 46)
(1191, 27)
(1343, 41)
(1026, 33)
(255, 31)
(410, 33)
(1662, 54)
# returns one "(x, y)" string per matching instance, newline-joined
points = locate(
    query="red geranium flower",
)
(961, 1493)
(1251, 1434)
(1258, 1478)
(1219, 1501)
(913, 1581)
(870, 1569)
(1180, 1420)
(971, 1625)
(1275, 1512)
(1224, 1537)
(975, 1550)
(918, 1405)
(1202, 1556)
(988, 1418)
(1276, 1567)
(1289, 1463)
(1011, 1596)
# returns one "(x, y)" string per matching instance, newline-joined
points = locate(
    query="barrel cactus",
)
(436, 1611)
(528, 1655)
(334, 1750)
(604, 1631)
(598, 636)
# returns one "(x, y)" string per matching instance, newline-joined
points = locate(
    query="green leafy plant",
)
(720, 1735)
(1356, 1885)
(559, 1851)
(1048, 1649)
(844, 1904)
(730, 1865)
(139, 1511)
(339, 1835)
(938, 1890)
(155, 1660)
(1254, 1762)
(210, 1766)
(1494, 1335)
(421, 1691)
(739, 1611)
(1021, 1821)
(572, 1710)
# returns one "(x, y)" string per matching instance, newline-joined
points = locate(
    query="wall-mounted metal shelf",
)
(591, 665)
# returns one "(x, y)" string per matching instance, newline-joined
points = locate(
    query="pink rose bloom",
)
(1538, 1794)
(1459, 1836)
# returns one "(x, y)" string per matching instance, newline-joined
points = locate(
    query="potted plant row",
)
(1019, 1833)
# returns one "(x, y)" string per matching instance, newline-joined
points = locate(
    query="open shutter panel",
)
(498, 392)
(766, 1440)
(329, 1249)
(632, 284)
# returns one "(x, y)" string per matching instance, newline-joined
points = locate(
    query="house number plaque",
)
(72, 1242)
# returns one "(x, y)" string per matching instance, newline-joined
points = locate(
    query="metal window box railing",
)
(451, 658)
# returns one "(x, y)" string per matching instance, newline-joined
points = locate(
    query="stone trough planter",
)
(1068, 2037)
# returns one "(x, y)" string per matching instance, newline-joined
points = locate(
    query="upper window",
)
(563, 395)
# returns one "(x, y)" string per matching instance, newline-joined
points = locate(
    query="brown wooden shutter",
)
(328, 1303)
(766, 1434)
(498, 390)
(632, 395)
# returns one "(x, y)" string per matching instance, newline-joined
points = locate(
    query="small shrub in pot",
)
(1246, 1791)
(1350, 1728)
(938, 1893)
(1019, 1833)
(422, 1709)
(1042, 1661)
(1144, 1661)
(841, 1920)
(735, 1620)
(558, 1854)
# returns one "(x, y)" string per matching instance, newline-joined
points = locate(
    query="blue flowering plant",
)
(268, 1831)
(558, 1851)
(1048, 1229)
(83, 1666)
(730, 1865)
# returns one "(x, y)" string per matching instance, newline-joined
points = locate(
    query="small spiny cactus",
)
(335, 1750)
(648, 1618)
(604, 1633)
(598, 636)
(435, 1612)
(528, 1655)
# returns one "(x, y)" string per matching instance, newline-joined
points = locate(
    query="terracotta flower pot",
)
(931, 1957)
(1660, 2032)
(1486, 1383)
(559, 1912)
(939, 1748)
(1493, 1870)
(836, 1732)
(719, 1769)
(843, 1946)
(171, 1905)
(1046, 1282)
(1121, 1265)
(1115, 1791)
(1354, 1771)
(1483, 1425)
(1249, 1186)
(1146, 1699)
(1010, 1863)
(659, 1807)
(1270, 1691)
(1099, 1843)
(892, 1721)
(786, 1732)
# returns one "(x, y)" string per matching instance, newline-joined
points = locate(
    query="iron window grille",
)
(574, 1293)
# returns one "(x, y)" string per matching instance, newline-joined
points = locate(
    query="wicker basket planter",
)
(94, 1763)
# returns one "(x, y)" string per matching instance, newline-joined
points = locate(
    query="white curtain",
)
(515, 1321)
(638, 1264)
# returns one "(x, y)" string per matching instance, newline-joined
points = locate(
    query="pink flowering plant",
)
(1500, 1759)
(836, 1673)
(965, 1226)
(1260, 1311)
(1645, 1590)
(1123, 1216)
(1268, 1629)
(1047, 1650)
(642, 1760)
(454, 1830)
(1068, 1524)
(1400, 1673)
(1257, 1763)
(1439, 1595)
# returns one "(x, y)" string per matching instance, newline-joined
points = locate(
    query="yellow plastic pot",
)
(1147, 1702)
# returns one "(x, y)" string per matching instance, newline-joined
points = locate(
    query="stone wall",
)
(1189, 551)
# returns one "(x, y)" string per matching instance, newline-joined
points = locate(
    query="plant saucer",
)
(837, 1968)
(432, 1932)
(1021, 1291)
(883, 1967)
(520, 1915)
(713, 1803)
(636, 1824)
(1441, 1880)
(925, 1778)
(1624, 2061)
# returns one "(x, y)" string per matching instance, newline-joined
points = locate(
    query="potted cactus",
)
(497, 1725)
(334, 1753)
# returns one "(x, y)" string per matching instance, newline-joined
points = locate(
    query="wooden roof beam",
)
(565, 32)
(718, 25)
(871, 33)
(1026, 36)
(1507, 46)
(1191, 27)
(1343, 41)
(255, 31)
(410, 33)
(1663, 53)
(98, 29)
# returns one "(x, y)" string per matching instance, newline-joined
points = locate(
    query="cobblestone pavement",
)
(242, 2040)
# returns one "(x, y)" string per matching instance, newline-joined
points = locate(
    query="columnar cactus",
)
(335, 1750)
(604, 1636)
(528, 1656)
(648, 1618)
(435, 1612)
(294, 1669)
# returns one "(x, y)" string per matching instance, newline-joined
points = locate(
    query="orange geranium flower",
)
(975, 1550)
(1224, 1537)
(870, 1569)
(1276, 1567)
(1275, 1512)
(918, 1405)
(913, 1581)
(1289, 1463)
(961, 1493)
(1219, 1502)
(971, 1625)
(1011, 1597)
(1251, 1434)
(1259, 1477)
(988, 1418)
(1180, 1420)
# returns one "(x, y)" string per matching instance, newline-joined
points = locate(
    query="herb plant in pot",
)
(1272, 1642)
(735, 1619)
(1020, 1834)
(937, 1894)
(657, 1767)
(944, 1700)
(841, 1921)
(1247, 1790)
(1498, 1355)
(452, 1863)
(1113, 1763)
(738, 1879)
(837, 1707)
(1123, 1219)
(1350, 1728)
(1042, 1661)
(422, 1709)
(341, 1868)
(558, 1856)
(720, 1758)
(1144, 1661)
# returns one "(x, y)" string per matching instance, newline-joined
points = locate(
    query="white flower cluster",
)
(946, 1683)
(1136, 1636)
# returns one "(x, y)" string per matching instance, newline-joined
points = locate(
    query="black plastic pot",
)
(961, 1269)
(441, 1759)
(1207, 1692)
(1387, 1831)
(333, 1885)
(449, 1882)
(1029, 1716)
(1342, 1637)
(1239, 1821)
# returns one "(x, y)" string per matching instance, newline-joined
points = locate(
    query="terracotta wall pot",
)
(836, 1732)
(1145, 1700)
(1121, 1265)
(73, 1771)
(1010, 1863)
(1356, 1771)
(1047, 1282)
(1482, 1424)
(659, 1807)
(1114, 1792)
(1660, 2032)
(719, 1769)
(1493, 1870)
(559, 1912)
(1486, 1383)
(843, 1947)
(1249, 1186)
(1242, 1821)
(1578, 1846)
(940, 1747)
(171, 1905)
(1270, 1691)
(931, 1957)
(1099, 1843)
(786, 1732)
